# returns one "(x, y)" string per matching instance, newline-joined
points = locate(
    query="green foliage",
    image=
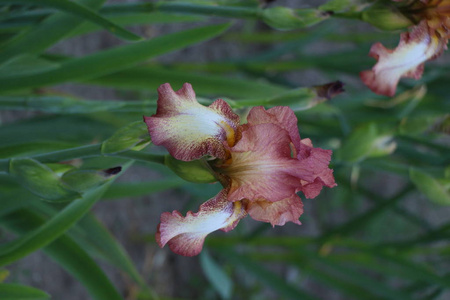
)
(375, 236)
(21, 292)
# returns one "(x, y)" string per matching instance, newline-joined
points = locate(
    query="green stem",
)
(348, 15)
(86, 151)
(140, 156)
(68, 105)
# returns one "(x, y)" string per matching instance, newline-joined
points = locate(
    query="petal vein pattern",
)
(425, 41)
(186, 235)
(189, 130)
(406, 60)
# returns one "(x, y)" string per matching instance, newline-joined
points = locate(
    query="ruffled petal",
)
(316, 160)
(277, 213)
(282, 116)
(189, 130)
(262, 166)
(185, 235)
(406, 60)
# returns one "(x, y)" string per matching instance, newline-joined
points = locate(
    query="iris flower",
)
(425, 41)
(261, 164)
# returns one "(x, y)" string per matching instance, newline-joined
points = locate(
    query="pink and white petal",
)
(186, 235)
(414, 48)
(282, 116)
(277, 213)
(189, 130)
(262, 167)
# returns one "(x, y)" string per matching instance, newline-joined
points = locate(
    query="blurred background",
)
(66, 83)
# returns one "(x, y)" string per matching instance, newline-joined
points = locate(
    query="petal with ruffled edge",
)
(282, 116)
(316, 160)
(261, 165)
(277, 213)
(185, 235)
(189, 130)
(406, 60)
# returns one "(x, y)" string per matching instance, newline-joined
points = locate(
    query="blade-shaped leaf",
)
(84, 12)
(52, 229)
(68, 254)
(10, 291)
(115, 59)
(216, 276)
(145, 78)
(430, 186)
(270, 279)
(47, 33)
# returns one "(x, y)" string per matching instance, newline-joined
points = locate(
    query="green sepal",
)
(284, 18)
(41, 180)
(197, 171)
(131, 137)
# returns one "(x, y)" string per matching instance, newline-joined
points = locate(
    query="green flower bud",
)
(284, 18)
(385, 16)
(194, 171)
(41, 180)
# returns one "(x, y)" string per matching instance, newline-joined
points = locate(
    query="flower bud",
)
(41, 180)
(284, 18)
(385, 16)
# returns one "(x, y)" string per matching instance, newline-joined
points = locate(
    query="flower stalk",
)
(84, 152)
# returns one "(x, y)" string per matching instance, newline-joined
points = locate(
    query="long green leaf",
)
(216, 276)
(68, 254)
(115, 59)
(83, 12)
(52, 229)
(145, 78)
(270, 279)
(357, 222)
(9, 291)
(44, 35)
(90, 233)
(430, 186)
(342, 271)
(137, 19)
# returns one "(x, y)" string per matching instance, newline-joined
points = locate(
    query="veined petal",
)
(277, 213)
(406, 60)
(282, 116)
(185, 235)
(262, 166)
(316, 160)
(189, 130)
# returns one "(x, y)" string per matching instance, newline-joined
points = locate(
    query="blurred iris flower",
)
(261, 164)
(425, 41)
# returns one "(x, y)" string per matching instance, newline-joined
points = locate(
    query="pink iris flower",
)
(426, 40)
(261, 164)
